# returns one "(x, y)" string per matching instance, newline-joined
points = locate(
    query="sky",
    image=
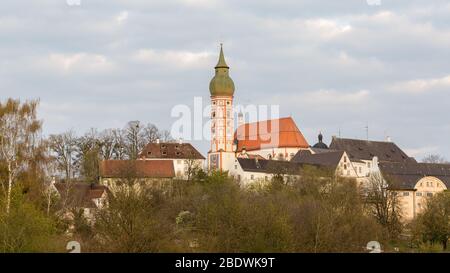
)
(333, 66)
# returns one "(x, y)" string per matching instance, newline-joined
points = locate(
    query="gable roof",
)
(269, 166)
(326, 159)
(406, 175)
(276, 133)
(251, 156)
(79, 194)
(137, 169)
(358, 149)
(171, 151)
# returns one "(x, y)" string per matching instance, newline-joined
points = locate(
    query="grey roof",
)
(326, 159)
(358, 149)
(321, 150)
(269, 166)
(320, 145)
(406, 175)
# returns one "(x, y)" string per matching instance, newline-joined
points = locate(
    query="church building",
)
(276, 139)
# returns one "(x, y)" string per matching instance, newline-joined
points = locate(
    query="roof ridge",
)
(364, 140)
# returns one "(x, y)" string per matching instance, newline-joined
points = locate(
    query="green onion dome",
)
(221, 84)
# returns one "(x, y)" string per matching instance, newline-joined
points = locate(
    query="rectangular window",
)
(405, 193)
(418, 194)
(252, 177)
(429, 194)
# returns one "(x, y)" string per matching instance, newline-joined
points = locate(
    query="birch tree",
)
(18, 130)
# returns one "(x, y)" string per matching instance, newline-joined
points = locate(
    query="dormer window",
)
(164, 153)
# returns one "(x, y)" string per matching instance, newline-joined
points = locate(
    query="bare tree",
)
(192, 167)
(134, 139)
(88, 155)
(18, 129)
(383, 203)
(65, 151)
(166, 136)
(119, 144)
(434, 158)
(107, 144)
(151, 133)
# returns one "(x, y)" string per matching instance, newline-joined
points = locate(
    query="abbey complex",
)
(256, 152)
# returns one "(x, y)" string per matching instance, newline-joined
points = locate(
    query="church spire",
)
(221, 84)
(221, 63)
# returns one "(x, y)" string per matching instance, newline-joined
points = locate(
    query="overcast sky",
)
(332, 65)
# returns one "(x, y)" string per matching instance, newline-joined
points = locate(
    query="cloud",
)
(76, 63)
(322, 98)
(421, 151)
(328, 63)
(327, 28)
(174, 59)
(336, 98)
(200, 3)
(420, 86)
(122, 17)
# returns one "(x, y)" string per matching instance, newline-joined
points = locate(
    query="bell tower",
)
(221, 90)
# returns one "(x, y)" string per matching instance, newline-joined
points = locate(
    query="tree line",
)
(78, 156)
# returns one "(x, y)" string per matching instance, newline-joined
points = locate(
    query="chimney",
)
(180, 141)
(388, 139)
(157, 141)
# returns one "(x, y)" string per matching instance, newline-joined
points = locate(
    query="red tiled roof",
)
(95, 193)
(276, 133)
(79, 194)
(137, 168)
